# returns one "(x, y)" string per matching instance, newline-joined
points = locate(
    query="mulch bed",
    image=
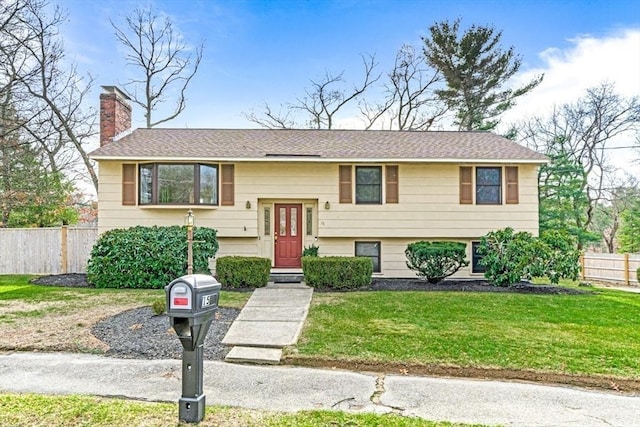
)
(378, 284)
(66, 280)
(468, 286)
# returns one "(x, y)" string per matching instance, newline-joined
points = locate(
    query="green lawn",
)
(18, 299)
(17, 287)
(33, 410)
(577, 334)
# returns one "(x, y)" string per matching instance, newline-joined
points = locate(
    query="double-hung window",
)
(368, 185)
(370, 181)
(489, 185)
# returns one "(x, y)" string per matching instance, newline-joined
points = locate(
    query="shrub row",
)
(151, 257)
(148, 257)
(507, 256)
(337, 273)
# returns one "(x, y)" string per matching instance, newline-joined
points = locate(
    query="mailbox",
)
(194, 295)
(192, 301)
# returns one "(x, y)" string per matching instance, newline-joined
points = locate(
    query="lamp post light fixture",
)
(189, 221)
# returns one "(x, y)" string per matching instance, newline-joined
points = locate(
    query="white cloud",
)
(570, 72)
(587, 63)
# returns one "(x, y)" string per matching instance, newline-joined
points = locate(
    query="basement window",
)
(370, 250)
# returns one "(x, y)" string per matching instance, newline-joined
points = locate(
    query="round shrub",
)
(436, 260)
(148, 257)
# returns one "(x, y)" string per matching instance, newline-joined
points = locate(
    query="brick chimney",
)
(115, 113)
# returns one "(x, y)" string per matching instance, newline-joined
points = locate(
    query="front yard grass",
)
(18, 288)
(53, 318)
(30, 410)
(594, 334)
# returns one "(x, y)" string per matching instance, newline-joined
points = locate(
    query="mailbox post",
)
(192, 301)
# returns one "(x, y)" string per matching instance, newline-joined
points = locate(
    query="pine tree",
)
(475, 69)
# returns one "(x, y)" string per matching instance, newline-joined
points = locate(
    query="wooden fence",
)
(56, 250)
(611, 268)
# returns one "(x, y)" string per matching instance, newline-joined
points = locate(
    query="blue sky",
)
(267, 51)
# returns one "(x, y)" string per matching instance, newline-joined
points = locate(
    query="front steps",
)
(293, 276)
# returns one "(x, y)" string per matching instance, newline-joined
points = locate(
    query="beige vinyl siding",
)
(254, 182)
(236, 221)
(429, 209)
(429, 203)
(429, 206)
(393, 260)
(229, 246)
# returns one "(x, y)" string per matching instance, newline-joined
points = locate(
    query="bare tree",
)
(49, 96)
(409, 99)
(410, 102)
(584, 132)
(155, 47)
(321, 103)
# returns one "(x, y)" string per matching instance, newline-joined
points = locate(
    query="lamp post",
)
(189, 220)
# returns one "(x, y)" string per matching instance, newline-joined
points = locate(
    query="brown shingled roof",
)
(313, 145)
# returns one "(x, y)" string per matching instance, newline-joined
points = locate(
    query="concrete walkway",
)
(281, 388)
(271, 319)
(633, 289)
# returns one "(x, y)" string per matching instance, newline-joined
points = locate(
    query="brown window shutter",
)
(228, 197)
(345, 184)
(511, 173)
(392, 184)
(129, 184)
(466, 185)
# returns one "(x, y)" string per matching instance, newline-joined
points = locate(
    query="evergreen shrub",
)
(148, 257)
(243, 272)
(436, 260)
(337, 273)
(507, 256)
(511, 256)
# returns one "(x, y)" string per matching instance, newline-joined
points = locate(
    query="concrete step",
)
(286, 277)
(262, 334)
(257, 355)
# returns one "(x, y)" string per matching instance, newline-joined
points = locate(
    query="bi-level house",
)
(270, 193)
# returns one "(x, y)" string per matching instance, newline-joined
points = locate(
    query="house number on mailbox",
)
(206, 300)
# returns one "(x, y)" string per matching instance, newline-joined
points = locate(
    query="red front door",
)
(288, 236)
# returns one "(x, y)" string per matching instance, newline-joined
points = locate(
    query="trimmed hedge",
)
(436, 260)
(243, 272)
(148, 257)
(337, 273)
